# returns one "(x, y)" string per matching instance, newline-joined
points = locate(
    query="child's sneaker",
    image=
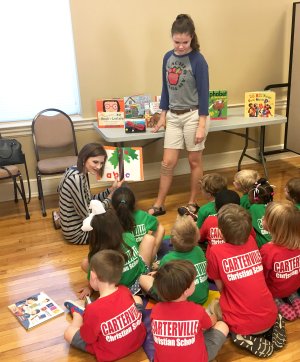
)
(73, 307)
(257, 345)
(277, 333)
(187, 210)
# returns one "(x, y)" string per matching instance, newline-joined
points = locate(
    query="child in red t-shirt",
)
(177, 324)
(246, 302)
(209, 231)
(281, 257)
(110, 327)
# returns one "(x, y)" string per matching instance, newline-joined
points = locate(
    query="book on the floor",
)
(260, 104)
(35, 309)
(110, 113)
(218, 103)
(123, 162)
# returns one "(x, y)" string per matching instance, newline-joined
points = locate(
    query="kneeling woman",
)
(75, 194)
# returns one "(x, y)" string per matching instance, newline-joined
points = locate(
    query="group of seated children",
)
(252, 253)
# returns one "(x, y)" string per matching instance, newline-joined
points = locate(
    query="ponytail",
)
(185, 24)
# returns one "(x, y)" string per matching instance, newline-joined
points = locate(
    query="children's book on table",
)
(110, 113)
(123, 162)
(35, 309)
(218, 104)
(259, 104)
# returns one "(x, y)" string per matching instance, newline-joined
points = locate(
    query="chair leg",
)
(15, 189)
(23, 195)
(41, 195)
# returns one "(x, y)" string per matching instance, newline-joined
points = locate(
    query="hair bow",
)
(96, 208)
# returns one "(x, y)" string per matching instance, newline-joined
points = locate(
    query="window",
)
(37, 64)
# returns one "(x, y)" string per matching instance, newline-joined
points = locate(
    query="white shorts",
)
(181, 131)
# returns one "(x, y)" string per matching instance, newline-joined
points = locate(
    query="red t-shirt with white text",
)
(281, 269)
(211, 233)
(177, 331)
(246, 302)
(112, 326)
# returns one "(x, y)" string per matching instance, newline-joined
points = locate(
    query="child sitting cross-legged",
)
(145, 227)
(184, 237)
(243, 182)
(106, 232)
(281, 257)
(210, 184)
(110, 327)
(182, 330)
(246, 303)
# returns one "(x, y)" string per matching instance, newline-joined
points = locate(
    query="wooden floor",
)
(34, 257)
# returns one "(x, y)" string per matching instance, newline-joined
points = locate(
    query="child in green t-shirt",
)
(210, 184)
(292, 191)
(259, 196)
(143, 226)
(106, 232)
(184, 237)
(243, 182)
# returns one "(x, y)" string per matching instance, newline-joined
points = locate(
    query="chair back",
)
(52, 129)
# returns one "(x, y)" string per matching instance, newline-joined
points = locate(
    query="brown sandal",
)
(157, 210)
(56, 220)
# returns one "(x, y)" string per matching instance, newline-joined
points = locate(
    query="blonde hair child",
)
(243, 182)
(281, 257)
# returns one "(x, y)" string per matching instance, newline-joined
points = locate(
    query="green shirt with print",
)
(144, 223)
(197, 257)
(257, 212)
(134, 266)
(204, 211)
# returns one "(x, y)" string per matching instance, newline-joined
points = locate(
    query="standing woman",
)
(75, 195)
(184, 104)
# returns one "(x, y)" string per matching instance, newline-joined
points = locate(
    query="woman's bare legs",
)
(169, 162)
(195, 160)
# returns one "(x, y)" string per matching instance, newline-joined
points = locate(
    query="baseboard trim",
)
(151, 170)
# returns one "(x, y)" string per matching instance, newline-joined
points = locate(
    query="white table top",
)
(235, 120)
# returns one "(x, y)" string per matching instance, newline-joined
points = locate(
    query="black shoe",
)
(257, 345)
(184, 210)
(277, 334)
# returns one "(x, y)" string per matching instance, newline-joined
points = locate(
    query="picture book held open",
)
(34, 310)
(123, 162)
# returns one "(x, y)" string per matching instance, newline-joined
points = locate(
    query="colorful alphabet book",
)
(123, 162)
(110, 113)
(218, 104)
(260, 104)
(34, 310)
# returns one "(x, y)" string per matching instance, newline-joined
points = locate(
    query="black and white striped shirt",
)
(74, 201)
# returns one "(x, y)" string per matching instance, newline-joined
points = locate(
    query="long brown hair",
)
(184, 24)
(91, 150)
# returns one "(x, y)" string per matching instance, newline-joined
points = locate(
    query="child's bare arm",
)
(219, 285)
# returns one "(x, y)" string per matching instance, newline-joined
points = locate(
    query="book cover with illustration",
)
(34, 310)
(123, 162)
(135, 105)
(133, 125)
(218, 104)
(152, 114)
(260, 104)
(110, 113)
